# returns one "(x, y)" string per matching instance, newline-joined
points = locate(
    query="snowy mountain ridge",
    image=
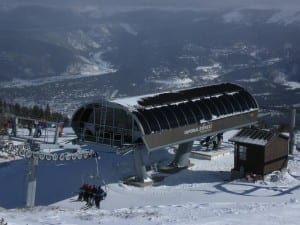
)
(249, 17)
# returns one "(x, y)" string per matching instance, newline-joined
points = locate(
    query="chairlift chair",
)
(94, 179)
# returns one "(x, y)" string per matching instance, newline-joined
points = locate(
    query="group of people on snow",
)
(9, 124)
(38, 126)
(34, 127)
(215, 141)
(91, 194)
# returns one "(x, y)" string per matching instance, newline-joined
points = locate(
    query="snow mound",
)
(282, 178)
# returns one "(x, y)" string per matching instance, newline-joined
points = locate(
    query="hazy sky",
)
(196, 4)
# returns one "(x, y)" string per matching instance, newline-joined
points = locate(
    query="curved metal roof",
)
(170, 110)
(179, 116)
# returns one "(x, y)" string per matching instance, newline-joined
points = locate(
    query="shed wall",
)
(277, 148)
(254, 159)
(276, 155)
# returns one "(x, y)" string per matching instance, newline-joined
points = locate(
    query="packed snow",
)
(129, 29)
(281, 78)
(285, 17)
(233, 17)
(174, 83)
(201, 194)
(87, 67)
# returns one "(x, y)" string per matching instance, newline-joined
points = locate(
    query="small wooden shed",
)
(259, 152)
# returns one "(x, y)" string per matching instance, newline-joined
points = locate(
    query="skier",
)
(86, 193)
(38, 130)
(82, 191)
(214, 141)
(100, 195)
(93, 193)
(60, 129)
(206, 142)
(29, 127)
(13, 128)
(5, 128)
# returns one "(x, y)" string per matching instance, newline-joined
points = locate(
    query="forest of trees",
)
(10, 110)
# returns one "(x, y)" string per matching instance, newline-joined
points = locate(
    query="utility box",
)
(259, 152)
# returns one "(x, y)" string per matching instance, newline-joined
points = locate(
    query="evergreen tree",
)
(8, 110)
(35, 112)
(17, 109)
(47, 112)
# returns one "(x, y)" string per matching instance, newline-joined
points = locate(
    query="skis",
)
(86, 207)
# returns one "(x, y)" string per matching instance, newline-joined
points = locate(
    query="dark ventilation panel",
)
(190, 94)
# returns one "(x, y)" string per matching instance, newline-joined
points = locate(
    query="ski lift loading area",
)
(39, 142)
(156, 121)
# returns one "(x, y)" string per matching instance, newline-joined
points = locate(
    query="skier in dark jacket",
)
(93, 193)
(82, 190)
(100, 195)
(29, 127)
(13, 128)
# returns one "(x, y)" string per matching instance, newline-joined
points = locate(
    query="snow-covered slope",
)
(201, 194)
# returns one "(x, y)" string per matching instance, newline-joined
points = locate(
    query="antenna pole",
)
(97, 167)
(292, 131)
(55, 138)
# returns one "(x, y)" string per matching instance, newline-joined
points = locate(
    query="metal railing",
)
(111, 136)
(33, 151)
(297, 138)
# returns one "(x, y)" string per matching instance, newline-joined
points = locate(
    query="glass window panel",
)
(206, 113)
(143, 122)
(152, 121)
(179, 114)
(218, 102)
(227, 104)
(235, 103)
(197, 112)
(164, 124)
(188, 113)
(171, 117)
(212, 106)
(241, 101)
(242, 152)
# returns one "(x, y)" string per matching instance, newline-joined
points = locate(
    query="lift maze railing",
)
(117, 139)
(34, 150)
(297, 140)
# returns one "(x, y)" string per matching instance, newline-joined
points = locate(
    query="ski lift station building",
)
(158, 120)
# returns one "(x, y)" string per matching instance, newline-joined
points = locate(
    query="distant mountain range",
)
(75, 56)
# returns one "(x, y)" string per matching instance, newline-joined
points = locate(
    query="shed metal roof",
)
(254, 136)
